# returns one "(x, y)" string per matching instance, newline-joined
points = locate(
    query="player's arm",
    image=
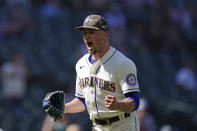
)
(129, 104)
(75, 106)
(127, 79)
(48, 124)
(126, 105)
(78, 103)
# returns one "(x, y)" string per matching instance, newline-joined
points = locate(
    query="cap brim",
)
(86, 27)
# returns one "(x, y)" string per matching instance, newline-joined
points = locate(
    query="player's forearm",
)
(126, 105)
(48, 124)
(74, 106)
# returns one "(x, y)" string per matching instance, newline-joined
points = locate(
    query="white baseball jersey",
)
(113, 74)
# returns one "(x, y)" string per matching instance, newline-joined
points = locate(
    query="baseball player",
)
(106, 82)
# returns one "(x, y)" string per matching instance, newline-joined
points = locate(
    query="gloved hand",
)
(54, 103)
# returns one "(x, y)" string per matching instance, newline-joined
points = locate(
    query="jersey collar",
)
(102, 60)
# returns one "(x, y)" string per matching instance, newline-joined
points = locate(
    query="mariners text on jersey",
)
(93, 81)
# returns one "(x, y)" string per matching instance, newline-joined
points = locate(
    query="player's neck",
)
(101, 53)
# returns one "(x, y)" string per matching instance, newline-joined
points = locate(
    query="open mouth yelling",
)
(90, 44)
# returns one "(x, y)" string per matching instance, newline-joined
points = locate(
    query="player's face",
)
(94, 40)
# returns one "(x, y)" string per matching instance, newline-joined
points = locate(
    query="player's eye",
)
(85, 33)
(88, 32)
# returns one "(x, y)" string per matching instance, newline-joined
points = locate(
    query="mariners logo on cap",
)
(131, 79)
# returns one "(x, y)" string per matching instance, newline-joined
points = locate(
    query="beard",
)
(92, 51)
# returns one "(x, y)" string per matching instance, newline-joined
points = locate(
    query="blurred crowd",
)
(39, 48)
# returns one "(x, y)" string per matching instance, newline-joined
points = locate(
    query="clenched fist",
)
(111, 102)
(126, 105)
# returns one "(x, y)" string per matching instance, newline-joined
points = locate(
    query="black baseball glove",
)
(54, 103)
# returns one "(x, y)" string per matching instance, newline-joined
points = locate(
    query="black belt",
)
(108, 121)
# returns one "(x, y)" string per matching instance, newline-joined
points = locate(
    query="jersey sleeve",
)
(127, 77)
(78, 91)
(78, 87)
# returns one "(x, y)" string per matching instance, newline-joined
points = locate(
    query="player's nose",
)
(87, 37)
